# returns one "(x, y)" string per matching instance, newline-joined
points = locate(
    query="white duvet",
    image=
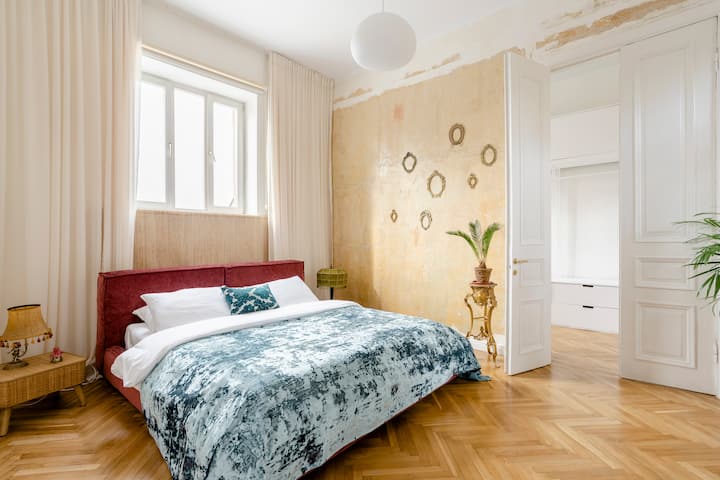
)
(136, 363)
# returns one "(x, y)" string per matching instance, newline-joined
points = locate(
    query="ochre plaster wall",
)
(399, 266)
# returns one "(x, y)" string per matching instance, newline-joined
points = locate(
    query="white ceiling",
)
(317, 32)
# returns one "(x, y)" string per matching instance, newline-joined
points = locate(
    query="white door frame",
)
(613, 41)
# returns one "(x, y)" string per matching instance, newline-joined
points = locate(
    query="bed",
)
(271, 394)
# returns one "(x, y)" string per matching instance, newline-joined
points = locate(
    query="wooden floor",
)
(574, 420)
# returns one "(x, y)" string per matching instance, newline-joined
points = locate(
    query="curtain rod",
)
(202, 67)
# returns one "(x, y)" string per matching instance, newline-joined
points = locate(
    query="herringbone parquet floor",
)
(574, 420)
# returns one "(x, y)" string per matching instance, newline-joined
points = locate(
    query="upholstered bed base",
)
(131, 394)
(119, 294)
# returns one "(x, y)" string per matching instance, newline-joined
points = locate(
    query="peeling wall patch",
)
(448, 60)
(415, 73)
(606, 23)
(356, 93)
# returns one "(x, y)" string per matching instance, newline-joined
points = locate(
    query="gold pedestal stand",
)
(481, 308)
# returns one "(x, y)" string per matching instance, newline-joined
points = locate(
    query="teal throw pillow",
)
(249, 299)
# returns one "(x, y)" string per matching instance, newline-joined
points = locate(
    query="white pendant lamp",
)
(383, 41)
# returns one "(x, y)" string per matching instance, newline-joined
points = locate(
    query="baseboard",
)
(481, 345)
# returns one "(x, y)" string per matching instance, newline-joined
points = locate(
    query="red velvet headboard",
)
(119, 292)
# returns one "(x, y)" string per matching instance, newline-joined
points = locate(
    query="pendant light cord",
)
(383, 6)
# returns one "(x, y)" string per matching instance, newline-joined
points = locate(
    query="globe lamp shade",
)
(383, 41)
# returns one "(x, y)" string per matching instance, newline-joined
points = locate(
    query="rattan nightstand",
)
(39, 378)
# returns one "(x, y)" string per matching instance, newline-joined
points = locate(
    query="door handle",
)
(518, 262)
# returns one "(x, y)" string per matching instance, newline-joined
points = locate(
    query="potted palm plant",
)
(706, 262)
(479, 241)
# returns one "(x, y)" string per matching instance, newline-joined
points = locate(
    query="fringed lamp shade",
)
(24, 323)
(333, 278)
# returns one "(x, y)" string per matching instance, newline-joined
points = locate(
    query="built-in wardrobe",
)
(584, 143)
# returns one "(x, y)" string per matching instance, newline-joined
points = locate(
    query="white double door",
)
(667, 175)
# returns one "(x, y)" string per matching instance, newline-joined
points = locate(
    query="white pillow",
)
(143, 313)
(136, 332)
(185, 306)
(289, 291)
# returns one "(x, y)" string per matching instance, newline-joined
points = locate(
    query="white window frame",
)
(210, 99)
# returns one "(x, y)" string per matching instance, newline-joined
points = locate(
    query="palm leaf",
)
(706, 261)
(487, 237)
(712, 270)
(468, 239)
(475, 231)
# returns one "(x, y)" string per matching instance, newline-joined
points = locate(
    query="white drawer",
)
(599, 319)
(579, 294)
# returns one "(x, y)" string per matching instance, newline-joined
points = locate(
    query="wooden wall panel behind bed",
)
(207, 239)
(119, 292)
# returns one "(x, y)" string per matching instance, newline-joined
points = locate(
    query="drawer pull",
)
(588, 306)
(585, 285)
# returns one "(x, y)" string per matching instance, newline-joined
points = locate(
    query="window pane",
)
(189, 150)
(225, 151)
(151, 161)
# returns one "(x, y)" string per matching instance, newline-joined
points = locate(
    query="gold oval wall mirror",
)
(457, 134)
(409, 162)
(488, 155)
(425, 219)
(436, 184)
(472, 180)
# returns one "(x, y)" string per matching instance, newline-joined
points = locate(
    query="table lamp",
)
(25, 322)
(333, 278)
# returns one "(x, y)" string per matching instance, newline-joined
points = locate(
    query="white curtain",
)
(67, 85)
(299, 134)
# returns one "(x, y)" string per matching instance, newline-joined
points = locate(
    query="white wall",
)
(174, 32)
(585, 224)
(591, 84)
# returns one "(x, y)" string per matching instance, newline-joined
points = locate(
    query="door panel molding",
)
(533, 272)
(678, 332)
(530, 313)
(661, 137)
(663, 272)
(529, 95)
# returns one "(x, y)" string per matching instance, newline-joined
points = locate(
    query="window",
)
(201, 145)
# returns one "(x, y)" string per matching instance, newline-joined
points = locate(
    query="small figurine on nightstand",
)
(56, 355)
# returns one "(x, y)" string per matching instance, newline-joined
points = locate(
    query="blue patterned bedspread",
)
(273, 402)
